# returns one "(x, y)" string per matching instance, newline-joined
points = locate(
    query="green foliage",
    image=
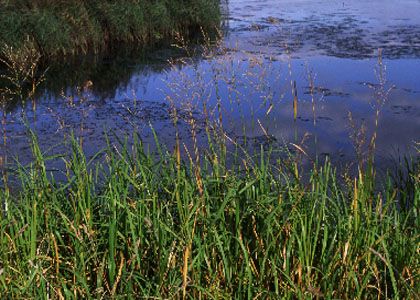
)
(145, 226)
(77, 26)
(125, 20)
(49, 31)
(12, 27)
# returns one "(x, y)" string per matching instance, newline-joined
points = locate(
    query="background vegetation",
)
(77, 26)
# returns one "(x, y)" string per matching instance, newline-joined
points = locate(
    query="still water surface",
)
(268, 45)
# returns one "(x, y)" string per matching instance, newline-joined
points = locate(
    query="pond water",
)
(324, 53)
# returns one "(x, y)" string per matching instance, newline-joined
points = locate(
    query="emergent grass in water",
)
(138, 225)
(72, 27)
(240, 200)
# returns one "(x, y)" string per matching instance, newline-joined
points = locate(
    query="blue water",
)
(267, 45)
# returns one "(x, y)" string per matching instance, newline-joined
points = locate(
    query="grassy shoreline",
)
(57, 28)
(212, 222)
(158, 227)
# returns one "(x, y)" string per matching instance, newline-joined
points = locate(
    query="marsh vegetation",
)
(138, 225)
(56, 28)
(211, 175)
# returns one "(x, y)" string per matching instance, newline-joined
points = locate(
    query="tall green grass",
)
(223, 223)
(141, 225)
(79, 26)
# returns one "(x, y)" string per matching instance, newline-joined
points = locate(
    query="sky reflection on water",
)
(266, 41)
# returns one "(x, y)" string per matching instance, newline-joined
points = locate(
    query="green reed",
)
(130, 224)
(215, 221)
(77, 26)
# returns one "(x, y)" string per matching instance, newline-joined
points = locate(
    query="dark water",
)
(268, 45)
